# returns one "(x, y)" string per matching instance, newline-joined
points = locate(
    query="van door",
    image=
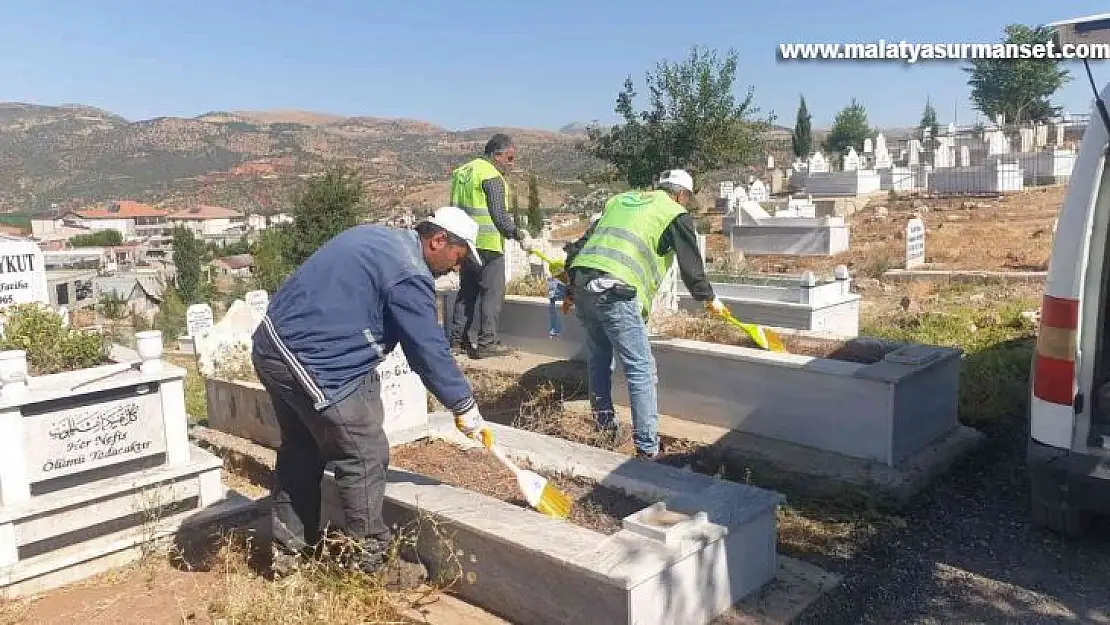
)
(1092, 420)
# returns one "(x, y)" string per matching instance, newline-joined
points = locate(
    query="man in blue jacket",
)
(363, 293)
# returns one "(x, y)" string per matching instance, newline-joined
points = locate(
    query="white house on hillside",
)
(211, 221)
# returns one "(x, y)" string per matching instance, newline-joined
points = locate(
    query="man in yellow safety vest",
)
(479, 188)
(615, 270)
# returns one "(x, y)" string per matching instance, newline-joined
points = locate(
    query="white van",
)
(1068, 452)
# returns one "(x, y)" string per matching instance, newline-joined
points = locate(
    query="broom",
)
(538, 491)
(763, 337)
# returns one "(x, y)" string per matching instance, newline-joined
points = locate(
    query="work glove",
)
(717, 308)
(472, 425)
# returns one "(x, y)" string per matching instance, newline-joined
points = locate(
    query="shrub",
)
(528, 285)
(51, 346)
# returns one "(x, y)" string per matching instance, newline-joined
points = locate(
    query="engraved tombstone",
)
(402, 393)
(257, 301)
(198, 319)
(915, 243)
(22, 273)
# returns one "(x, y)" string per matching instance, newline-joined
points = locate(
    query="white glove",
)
(717, 307)
(472, 425)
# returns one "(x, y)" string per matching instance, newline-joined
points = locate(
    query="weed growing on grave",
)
(319, 592)
(528, 286)
(998, 349)
(51, 346)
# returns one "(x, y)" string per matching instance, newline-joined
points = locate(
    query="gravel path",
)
(969, 553)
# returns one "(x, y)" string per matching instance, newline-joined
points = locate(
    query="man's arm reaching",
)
(411, 312)
(683, 239)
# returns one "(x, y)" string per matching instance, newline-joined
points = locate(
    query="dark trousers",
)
(478, 305)
(349, 434)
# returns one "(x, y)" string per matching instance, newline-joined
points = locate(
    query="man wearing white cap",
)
(615, 271)
(326, 330)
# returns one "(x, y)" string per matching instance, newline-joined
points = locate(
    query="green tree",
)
(849, 128)
(1019, 89)
(518, 218)
(324, 207)
(693, 121)
(535, 216)
(271, 265)
(188, 252)
(100, 238)
(802, 138)
(929, 120)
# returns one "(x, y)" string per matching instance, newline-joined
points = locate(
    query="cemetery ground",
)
(1008, 233)
(963, 550)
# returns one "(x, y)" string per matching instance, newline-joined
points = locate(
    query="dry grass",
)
(528, 286)
(1017, 227)
(697, 328)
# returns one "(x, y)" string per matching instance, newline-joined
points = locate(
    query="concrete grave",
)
(820, 307)
(885, 411)
(867, 146)
(915, 243)
(799, 236)
(992, 177)
(243, 408)
(841, 183)
(89, 458)
(698, 546)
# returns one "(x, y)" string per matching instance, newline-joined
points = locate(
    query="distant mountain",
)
(72, 155)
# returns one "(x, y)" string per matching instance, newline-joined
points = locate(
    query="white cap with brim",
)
(457, 222)
(679, 178)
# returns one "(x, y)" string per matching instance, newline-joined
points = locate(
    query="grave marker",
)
(198, 319)
(403, 395)
(258, 301)
(915, 243)
(22, 274)
(92, 436)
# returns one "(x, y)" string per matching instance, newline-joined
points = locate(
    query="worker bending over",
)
(327, 329)
(615, 270)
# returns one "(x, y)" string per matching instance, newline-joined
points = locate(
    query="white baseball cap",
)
(457, 222)
(678, 177)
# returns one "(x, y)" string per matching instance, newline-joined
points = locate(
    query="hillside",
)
(72, 154)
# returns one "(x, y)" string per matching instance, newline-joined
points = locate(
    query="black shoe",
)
(489, 351)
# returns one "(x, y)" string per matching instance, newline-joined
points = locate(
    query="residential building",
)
(209, 222)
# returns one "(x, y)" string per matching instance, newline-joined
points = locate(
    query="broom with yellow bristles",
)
(538, 491)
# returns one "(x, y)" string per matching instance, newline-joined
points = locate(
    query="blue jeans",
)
(616, 328)
(554, 310)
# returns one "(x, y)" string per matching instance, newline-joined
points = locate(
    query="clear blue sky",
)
(485, 62)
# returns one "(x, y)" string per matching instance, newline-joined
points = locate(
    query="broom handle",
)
(500, 455)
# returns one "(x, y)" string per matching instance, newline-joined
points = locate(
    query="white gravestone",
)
(402, 393)
(818, 164)
(258, 301)
(915, 243)
(914, 152)
(1040, 135)
(965, 156)
(198, 319)
(867, 146)
(851, 160)
(882, 155)
(22, 274)
(758, 192)
(1026, 135)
